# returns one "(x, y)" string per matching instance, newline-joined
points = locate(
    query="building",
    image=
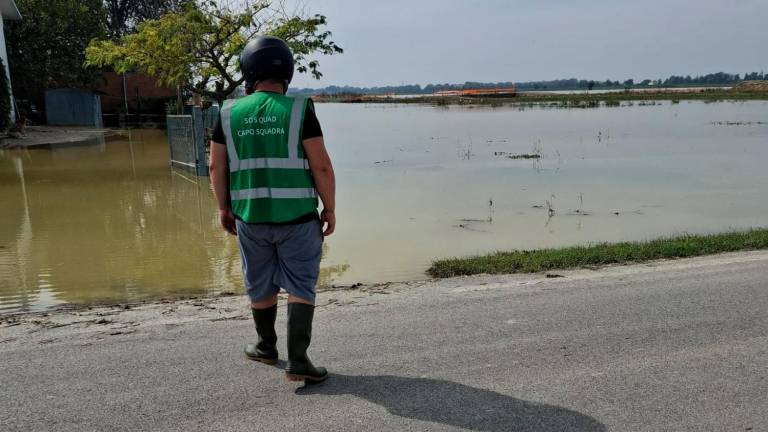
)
(8, 12)
(73, 107)
(142, 92)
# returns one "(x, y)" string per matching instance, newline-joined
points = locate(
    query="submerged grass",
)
(534, 261)
(525, 156)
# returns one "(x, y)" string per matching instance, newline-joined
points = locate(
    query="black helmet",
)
(266, 57)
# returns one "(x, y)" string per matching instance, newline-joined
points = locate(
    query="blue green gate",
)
(186, 142)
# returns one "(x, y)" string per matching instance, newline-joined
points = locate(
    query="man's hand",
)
(227, 220)
(328, 218)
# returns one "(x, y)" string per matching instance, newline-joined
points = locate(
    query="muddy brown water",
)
(109, 221)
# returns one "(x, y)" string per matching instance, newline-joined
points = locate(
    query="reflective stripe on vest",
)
(277, 193)
(272, 190)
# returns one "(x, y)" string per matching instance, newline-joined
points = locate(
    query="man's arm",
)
(220, 182)
(325, 180)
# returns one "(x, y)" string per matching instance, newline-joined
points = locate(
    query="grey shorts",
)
(280, 256)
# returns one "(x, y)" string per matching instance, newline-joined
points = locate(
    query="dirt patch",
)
(752, 86)
(89, 324)
(52, 136)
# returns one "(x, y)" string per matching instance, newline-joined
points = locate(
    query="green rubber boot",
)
(299, 366)
(265, 350)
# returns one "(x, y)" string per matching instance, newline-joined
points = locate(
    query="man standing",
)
(268, 166)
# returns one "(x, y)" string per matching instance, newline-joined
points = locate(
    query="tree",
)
(47, 48)
(123, 16)
(198, 49)
(5, 99)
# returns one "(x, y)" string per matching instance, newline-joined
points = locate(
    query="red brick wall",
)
(138, 85)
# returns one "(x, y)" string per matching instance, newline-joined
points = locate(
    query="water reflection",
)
(15, 240)
(415, 181)
(108, 220)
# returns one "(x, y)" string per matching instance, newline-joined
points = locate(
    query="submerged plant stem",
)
(525, 156)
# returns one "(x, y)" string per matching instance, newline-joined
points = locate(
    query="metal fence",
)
(186, 141)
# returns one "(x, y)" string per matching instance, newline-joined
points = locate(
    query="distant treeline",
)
(714, 79)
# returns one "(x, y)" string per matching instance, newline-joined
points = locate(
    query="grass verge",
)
(533, 261)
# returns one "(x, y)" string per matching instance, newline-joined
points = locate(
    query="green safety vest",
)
(269, 176)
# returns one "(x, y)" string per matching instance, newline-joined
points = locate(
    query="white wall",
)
(4, 56)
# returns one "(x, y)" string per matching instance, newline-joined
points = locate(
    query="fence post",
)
(169, 124)
(198, 125)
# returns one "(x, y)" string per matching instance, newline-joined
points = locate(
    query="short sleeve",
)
(218, 133)
(311, 124)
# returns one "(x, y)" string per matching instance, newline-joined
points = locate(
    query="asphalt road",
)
(680, 346)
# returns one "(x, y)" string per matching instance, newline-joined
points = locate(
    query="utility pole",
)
(125, 92)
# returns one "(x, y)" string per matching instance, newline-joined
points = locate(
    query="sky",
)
(393, 42)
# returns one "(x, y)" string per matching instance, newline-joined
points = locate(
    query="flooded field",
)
(110, 221)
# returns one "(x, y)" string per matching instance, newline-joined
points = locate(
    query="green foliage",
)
(46, 49)
(198, 49)
(123, 16)
(602, 254)
(5, 99)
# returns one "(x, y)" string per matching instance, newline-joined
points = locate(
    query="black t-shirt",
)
(311, 127)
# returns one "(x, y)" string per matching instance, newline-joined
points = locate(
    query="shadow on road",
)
(455, 404)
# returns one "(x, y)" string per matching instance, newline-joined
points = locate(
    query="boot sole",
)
(304, 378)
(270, 362)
